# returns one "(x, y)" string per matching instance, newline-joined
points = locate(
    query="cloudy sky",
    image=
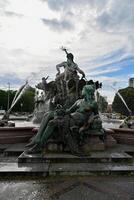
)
(98, 32)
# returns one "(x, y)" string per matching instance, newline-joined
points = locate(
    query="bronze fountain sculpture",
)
(72, 116)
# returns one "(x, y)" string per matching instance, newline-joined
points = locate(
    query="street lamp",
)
(8, 97)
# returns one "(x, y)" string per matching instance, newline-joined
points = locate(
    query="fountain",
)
(68, 109)
(124, 134)
(128, 122)
(71, 139)
(5, 119)
(117, 92)
(8, 132)
(65, 90)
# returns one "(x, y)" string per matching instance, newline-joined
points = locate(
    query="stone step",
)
(14, 149)
(3, 147)
(65, 169)
(12, 169)
(95, 157)
(89, 169)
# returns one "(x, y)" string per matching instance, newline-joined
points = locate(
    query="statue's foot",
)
(29, 144)
(34, 149)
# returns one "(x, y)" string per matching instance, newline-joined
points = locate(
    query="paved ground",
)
(61, 187)
(80, 188)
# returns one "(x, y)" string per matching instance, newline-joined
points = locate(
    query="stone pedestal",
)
(110, 141)
(54, 147)
(93, 143)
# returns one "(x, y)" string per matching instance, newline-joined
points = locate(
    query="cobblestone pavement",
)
(65, 188)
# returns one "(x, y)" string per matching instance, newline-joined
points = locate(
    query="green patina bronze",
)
(73, 117)
(83, 116)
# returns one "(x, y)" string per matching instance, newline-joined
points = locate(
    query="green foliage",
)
(25, 104)
(4, 98)
(128, 96)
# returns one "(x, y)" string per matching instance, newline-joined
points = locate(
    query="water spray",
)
(17, 96)
(130, 112)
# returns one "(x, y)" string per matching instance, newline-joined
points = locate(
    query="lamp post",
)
(8, 97)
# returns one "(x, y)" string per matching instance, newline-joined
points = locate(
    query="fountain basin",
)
(123, 135)
(12, 135)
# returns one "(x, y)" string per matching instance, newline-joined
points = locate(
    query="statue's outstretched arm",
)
(81, 72)
(64, 49)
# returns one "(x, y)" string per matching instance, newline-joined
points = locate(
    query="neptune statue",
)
(72, 118)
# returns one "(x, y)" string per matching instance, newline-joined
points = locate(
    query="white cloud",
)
(92, 29)
(105, 71)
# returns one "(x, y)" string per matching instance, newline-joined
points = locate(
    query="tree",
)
(128, 96)
(4, 98)
(25, 103)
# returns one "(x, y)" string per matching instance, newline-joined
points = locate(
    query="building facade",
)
(131, 82)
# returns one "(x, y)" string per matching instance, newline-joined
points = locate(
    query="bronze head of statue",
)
(88, 92)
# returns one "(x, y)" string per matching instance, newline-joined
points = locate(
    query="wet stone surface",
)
(83, 192)
(35, 185)
(100, 188)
